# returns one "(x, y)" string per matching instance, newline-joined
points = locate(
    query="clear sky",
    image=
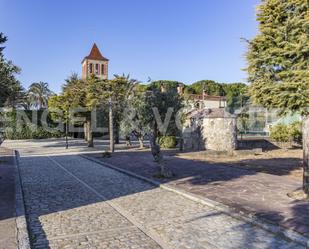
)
(184, 40)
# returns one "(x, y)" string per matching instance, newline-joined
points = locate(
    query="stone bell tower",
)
(95, 63)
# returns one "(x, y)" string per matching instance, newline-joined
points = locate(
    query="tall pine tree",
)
(278, 62)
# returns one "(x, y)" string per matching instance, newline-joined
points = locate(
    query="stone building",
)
(201, 101)
(210, 129)
(95, 63)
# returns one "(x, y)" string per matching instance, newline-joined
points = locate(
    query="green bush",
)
(167, 142)
(286, 133)
(27, 132)
(295, 130)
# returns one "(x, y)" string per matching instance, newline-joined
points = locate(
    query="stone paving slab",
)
(261, 194)
(62, 213)
(180, 222)
(63, 205)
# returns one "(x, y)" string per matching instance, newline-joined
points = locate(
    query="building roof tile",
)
(95, 54)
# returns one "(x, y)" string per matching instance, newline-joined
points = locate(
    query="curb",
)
(262, 223)
(21, 223)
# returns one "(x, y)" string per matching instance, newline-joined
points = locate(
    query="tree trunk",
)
(128, 141)
(181, 143)
(155, 133)
(66, 134)
(141, 142)
(89, 134)
(85, 132)
(117, 134)
(306, 154)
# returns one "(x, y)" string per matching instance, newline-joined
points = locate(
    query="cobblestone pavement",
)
(75, 203)
(8, 228)
(256, 193)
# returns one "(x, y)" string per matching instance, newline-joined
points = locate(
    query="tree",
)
(162, 113)
(236, 95)
(76, 92)
(278, 65)
(117, 91)
(59, 107)
(162, 108)
(38, 94)
(74, 98)
(11, 89)
(209, 86)
(137, 116)
(121, 87)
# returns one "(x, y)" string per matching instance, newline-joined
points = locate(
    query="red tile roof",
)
(206, 97)
(95, 54)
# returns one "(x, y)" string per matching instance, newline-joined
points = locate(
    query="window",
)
(96, 68)
(102, 69)
(90, 68)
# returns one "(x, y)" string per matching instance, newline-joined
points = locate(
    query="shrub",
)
(27, 132)
(280, 133)
(167, 142)
(286, 133)
(295, 130)
(15, 130)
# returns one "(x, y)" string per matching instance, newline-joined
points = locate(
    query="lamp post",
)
(111, 126)
(67, 125)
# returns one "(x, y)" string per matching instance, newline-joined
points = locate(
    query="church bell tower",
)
(95, 64)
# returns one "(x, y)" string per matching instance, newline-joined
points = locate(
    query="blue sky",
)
(184, 40)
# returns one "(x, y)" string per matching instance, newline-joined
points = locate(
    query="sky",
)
(183, 40)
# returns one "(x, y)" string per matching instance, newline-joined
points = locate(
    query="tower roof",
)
(95, 54)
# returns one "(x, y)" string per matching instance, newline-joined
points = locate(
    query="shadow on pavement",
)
(49, 189)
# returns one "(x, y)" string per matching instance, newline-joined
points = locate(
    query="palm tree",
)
(38, 94)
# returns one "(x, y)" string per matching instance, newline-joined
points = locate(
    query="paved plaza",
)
(72, 202)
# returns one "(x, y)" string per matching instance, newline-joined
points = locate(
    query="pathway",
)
(72, 202)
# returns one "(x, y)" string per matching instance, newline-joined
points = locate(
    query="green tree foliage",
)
(149, 110)
(38, 95)
(236, 93)
(209, 86)
(28, 124)
(160, 105)
(278, 65)
(59, 108)
(286, 133)
(72, 98)
(278, 56)
(116, 90)
(11, 89)
(137, 116)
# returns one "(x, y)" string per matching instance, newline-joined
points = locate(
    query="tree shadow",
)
(237, 187)
(248, 190)
(50, 190)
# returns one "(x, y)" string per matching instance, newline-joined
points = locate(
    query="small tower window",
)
(96, 68)
(102, 69)
(90, 68)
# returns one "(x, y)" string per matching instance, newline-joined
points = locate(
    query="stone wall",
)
(192, 140)
(219, 134)
(216, 130)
